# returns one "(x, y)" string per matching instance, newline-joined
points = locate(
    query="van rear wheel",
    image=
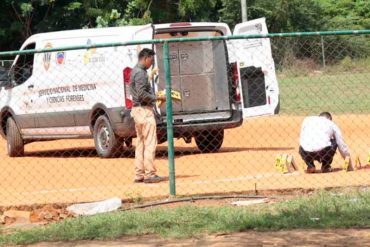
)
(15, 143)
(209, 141)
(107, 144)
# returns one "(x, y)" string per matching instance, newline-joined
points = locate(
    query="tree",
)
(281, 15)
(21, 18)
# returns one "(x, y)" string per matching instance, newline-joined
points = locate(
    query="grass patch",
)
(338, 93)
(320, 210)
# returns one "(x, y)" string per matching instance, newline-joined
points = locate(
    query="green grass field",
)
(321, 210)
(338, 93)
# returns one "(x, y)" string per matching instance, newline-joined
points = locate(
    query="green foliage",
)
(22, 18)
(281, 15)
(346, 14)
(73, 6)
(197, 10)
(26, 9)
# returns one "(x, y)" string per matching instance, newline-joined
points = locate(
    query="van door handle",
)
(31, 86)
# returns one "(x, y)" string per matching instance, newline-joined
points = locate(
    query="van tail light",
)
(269, 100)
(126, 84)
(236, 83)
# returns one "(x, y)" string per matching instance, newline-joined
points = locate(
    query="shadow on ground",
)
(130, 153)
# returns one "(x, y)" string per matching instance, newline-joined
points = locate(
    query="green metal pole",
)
(171, 153)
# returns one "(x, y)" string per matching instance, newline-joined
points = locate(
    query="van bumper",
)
(191, 128)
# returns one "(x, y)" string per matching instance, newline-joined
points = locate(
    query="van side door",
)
(256, 68)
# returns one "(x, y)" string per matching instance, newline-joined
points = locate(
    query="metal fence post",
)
(323, 52)
(171, 158)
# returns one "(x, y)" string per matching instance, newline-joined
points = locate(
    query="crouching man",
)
(319, 140)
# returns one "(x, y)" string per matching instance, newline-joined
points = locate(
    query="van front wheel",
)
(107, 143)
(209, 141)
(15, 143)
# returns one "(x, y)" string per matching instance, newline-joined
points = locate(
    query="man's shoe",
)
(139, 180)
(154, 179)
(326, 170)
(311, 170)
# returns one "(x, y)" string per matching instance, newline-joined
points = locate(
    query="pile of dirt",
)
(38, 215)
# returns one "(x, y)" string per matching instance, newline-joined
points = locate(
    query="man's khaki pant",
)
(146, 131)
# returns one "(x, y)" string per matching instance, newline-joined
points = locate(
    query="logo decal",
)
(92, 56)
(47, 56)
(89, 52)
(60, 57)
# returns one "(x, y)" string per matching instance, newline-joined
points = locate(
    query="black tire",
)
(128, 142)
(107, 144)
(209, 141)
(15, 143)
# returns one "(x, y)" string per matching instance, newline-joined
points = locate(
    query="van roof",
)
(118, 30)
(85, 32)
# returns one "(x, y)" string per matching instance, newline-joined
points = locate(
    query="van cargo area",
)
(199, 73)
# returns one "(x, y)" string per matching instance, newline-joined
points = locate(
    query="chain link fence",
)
(236, 111)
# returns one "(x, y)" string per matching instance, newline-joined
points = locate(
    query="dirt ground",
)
(341, 237)
(69, 171)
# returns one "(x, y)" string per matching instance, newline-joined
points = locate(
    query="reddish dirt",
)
(339, 237)
(69, 171)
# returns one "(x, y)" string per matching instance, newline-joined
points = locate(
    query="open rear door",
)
(257, 77)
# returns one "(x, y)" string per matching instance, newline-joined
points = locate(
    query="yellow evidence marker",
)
(285, 163)
(346, 164)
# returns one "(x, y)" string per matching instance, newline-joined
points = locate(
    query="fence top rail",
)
(172, 40)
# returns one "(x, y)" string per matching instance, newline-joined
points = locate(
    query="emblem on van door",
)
(47, 57)
(60, 57)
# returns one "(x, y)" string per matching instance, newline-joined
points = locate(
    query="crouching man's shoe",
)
(139, 180)
(311, 170)
(154, 179)
(326, 170)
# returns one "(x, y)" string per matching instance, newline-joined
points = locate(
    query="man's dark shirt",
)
(140, 88)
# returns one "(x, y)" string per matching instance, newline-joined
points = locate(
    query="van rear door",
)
(199, 74)
(256, 67)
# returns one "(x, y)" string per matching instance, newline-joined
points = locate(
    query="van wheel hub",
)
(104, 137)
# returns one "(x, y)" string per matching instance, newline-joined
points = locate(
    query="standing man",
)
(143, 115)
(319, 140)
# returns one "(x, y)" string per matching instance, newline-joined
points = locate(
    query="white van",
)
(82, 93)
